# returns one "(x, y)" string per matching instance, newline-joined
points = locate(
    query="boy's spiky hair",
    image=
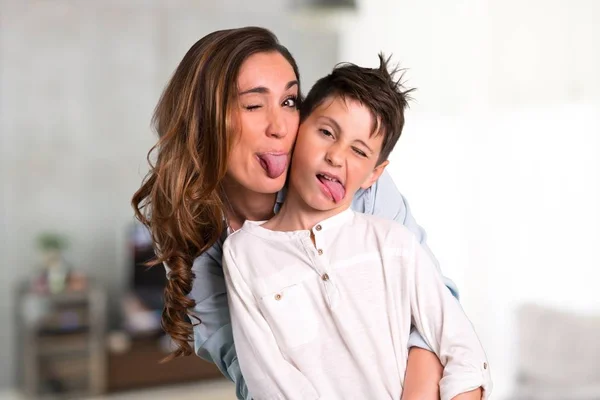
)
(375, 88)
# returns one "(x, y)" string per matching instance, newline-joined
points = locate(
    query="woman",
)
(227, 122)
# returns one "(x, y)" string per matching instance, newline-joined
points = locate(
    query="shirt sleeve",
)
(439, 318)
(213, 337)
(385, 200)
(268, 374)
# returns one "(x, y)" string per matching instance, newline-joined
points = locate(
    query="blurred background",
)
(499, 162)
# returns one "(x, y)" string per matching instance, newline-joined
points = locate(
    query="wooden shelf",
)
(140, 368)
(62, 348)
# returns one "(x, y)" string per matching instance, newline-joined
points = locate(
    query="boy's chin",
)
(325, 205)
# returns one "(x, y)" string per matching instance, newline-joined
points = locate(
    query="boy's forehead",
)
(343, 108)
(348, 112)
(336, 100)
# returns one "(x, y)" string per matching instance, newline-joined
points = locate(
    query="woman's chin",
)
(268, 185)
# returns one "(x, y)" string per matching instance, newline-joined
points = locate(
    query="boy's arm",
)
(421, 382)
(423, 371)
(472, 395)
(385, 200)
(423, 375)
(439, 318)
(266, 372)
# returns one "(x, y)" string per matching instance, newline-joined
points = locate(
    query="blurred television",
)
(147, 283)
(346, 4)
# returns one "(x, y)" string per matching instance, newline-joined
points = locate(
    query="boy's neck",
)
(296, 215)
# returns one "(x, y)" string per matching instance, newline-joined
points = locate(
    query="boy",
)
(322, 298)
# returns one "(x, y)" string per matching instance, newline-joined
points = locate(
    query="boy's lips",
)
(332, 185)
(274, 163)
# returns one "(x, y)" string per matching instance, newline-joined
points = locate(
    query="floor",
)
(213, 390)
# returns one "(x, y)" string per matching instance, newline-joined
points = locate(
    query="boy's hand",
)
(472, 395)
(423, 375)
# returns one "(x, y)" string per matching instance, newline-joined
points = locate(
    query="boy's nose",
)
(333, 157)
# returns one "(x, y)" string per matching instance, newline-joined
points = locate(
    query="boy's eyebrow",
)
(333, 122)
(264, 90)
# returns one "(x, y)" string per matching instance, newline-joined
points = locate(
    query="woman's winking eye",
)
(291, 102)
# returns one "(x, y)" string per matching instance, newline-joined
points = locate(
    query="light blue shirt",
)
(213, 338)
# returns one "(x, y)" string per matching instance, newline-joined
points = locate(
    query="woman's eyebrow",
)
(265, 90)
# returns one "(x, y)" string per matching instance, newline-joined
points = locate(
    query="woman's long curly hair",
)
(179, 199)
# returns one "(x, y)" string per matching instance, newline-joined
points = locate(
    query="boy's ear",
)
(374, 175)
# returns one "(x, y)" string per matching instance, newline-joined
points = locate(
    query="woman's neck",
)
(242, 204)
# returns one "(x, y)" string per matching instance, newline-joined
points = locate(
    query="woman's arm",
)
(213, 337)
(268, 374)
(441, 321)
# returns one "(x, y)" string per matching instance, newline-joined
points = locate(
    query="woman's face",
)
(266, 120)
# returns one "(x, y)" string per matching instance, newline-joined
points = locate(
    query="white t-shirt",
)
(331, 320)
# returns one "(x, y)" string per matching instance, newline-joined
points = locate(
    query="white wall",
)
(499, 159)
(78, 84)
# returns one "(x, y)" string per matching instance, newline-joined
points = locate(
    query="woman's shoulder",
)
(244, 239)
(382, 199)
(212, 256)
(379, 225)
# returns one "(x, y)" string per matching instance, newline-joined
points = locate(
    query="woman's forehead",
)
(269, 70)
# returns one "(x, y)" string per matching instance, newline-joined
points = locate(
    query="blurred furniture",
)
(62, 342)
(140, 367)
(558, 355)
(138, 364)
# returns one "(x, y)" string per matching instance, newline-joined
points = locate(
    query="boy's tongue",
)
(273, 164)
(335, 188)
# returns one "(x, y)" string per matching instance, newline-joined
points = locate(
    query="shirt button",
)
(318, 227)
(320, 251)
(325, 277)
(484, 365)
(277, 297)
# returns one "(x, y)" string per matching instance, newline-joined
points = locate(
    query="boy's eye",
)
(325, 132)
(359, 152)
(291, 102)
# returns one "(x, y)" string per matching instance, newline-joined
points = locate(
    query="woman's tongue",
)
(336, 189)
(273, 164)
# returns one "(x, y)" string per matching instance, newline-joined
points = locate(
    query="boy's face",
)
(335, 154)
